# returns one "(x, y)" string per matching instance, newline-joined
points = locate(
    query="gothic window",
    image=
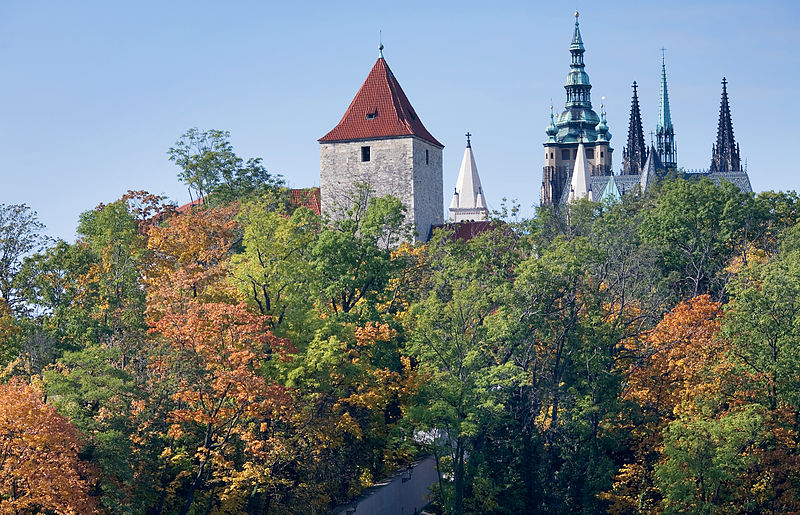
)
(589, 153)
(601, 154)
(364, 154)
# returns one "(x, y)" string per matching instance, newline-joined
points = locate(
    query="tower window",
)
(601, 154)
(364, 154)
(426, 156)
(565, 154)
(372, 115)
(589, 153)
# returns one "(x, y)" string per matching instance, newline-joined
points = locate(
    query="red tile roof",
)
(390, 113)
(306, 197)
(186, 207)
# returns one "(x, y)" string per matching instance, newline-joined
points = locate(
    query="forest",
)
(248, 356)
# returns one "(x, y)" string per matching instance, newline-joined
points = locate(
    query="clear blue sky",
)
(92, 94)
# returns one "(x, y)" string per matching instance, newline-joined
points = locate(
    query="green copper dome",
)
(578, 118)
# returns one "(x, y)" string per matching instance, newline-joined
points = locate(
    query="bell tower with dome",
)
(578, 123)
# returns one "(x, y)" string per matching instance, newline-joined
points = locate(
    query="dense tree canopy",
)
(248, 356)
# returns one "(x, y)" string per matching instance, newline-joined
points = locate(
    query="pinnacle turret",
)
(665, 132)
(725, 154)
(468, 203)
(634, 154)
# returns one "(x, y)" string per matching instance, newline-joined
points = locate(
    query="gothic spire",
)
(665, 132)
(468, 203)
(635, 154)
(725, 154)
(580, 182)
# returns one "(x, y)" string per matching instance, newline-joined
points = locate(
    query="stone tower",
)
(665, 132)
(635, 153)
(380, 141)
(725, 154)
(469, 203)
(578, 122)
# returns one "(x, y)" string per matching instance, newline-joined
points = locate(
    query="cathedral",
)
(578, 155)
(381, 143)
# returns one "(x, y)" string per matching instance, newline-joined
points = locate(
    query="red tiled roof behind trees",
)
(380, 94)
(306, 197)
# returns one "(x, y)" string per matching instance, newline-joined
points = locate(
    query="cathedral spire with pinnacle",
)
(665, 132)
(635, 154)
(468, 203)
(725, 154)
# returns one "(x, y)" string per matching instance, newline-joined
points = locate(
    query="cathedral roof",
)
(380, 109)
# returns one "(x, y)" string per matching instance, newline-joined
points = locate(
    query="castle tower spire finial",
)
(725, 156)
(380, 44)
(468, 135)
(665, 132)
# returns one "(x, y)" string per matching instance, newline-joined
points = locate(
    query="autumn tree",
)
(39, 466)
(213, 358)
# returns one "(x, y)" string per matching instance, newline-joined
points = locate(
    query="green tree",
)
(210, 166)
(21, 233)
(696, 227)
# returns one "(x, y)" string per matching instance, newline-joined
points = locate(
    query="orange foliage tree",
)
(190, 259)
(675, 363)
(214, 358)
(39, 466)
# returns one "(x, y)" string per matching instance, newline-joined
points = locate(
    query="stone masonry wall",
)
(396, 167)
(428, 187)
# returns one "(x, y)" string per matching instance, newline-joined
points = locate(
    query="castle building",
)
(578, 155)
(578, 123)
(381, 142)
(468, 203)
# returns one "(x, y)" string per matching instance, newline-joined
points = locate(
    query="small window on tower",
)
(426, 157)
(565, 154)
(601, 154)
(364, 153)
(373, 114)
(589, 153)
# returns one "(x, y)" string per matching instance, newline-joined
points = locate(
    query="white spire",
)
(468, 201)
(580, 185)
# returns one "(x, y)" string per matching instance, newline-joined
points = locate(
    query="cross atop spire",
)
(468, 135)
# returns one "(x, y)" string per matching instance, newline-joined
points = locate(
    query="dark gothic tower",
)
(725, 154)
(665, 133)
(635, 154)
